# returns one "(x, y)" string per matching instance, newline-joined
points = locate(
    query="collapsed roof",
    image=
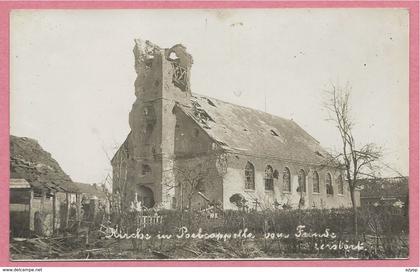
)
(30, 162)
(252, 132)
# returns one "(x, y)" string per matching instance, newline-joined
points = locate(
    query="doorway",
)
(145, 195)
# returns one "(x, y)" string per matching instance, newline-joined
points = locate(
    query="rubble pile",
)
(214, 249)
(63, 247)
(41, 248)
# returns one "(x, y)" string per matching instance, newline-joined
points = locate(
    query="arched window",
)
(249, 176)
(287, 186)
(340, 185)
(301, 181)
(328, 184)
(315, 182)
(268, 178)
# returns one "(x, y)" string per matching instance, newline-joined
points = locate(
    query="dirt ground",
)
(96, 247)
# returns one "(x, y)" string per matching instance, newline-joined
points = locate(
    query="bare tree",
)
(117, 183)
(356, 160)
(191, 181)
(120, 183)
(106, 188)
(193, 173)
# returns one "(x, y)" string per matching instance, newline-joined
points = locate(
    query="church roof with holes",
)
(252, 132)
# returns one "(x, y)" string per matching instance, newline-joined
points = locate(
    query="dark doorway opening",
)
(145, 195)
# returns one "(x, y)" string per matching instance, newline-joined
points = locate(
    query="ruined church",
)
(187, 150)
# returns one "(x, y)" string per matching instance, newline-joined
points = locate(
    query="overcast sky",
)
(72, 73)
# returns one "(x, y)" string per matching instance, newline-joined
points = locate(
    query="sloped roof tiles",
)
(252, 132)
(30, 162)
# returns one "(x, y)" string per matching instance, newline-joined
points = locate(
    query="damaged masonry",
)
(190, 151)
(200, 178)
(49, 213)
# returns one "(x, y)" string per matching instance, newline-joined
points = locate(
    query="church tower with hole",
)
(189, 151)
(144, 163)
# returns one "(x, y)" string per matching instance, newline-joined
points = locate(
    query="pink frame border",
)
(412, 6)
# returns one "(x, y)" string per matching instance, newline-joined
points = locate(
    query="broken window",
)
(249, 176)
(268, 178)
(149, 114)
(147, 111)
(315, 182)
(301, 181)
(340, 185)
(145, 169)
(172, 56)
(328, 183)
(180, 76)
(154, 154)
(287, 186)
(148, 62)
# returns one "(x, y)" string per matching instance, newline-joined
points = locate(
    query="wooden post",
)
(54, 212)
(43, 196)
(78, 207)
(67, 210)
(31, 217)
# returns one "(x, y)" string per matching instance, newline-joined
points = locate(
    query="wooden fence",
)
(147, 220)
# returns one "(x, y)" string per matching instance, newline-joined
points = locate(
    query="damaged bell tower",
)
(194, 151)
(162, 82)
